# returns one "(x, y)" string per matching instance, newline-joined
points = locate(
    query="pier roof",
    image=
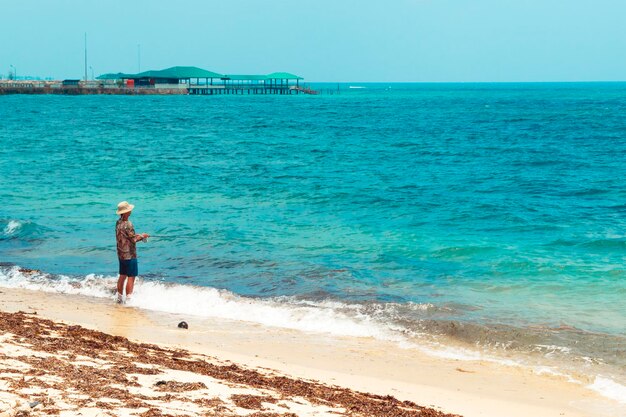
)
(179, 73)
(182, 73)
(283, 76)
(238, 77)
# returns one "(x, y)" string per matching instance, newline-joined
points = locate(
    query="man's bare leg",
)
(130, 285)
(120, 287)
(120, 284)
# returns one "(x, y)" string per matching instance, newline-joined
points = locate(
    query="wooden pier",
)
(170, 81)
(204, 90)
(7, 88)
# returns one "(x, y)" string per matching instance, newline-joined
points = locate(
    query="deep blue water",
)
(500, 204)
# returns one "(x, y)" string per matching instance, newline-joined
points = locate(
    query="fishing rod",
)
(177, 237)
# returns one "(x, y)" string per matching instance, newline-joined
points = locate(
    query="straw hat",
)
(124, 207)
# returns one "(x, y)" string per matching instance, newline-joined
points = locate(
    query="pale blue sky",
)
(323, 40)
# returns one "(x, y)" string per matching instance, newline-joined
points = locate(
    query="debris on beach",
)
(50, 368)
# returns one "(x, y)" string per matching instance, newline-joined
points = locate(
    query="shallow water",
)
(493, 214)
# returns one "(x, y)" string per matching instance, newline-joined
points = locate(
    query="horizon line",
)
(473, 82)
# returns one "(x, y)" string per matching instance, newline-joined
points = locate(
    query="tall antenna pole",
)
(86, 56)
(138, 57)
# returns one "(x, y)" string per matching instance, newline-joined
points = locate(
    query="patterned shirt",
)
(125, 236)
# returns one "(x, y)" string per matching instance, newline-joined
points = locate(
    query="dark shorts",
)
(128, 267)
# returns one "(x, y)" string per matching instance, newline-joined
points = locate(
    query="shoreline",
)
(476, 388)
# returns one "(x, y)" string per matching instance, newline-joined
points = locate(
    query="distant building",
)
(168, 78)
(184, 77)
(70, 83)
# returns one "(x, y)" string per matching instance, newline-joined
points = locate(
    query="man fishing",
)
(126, 251)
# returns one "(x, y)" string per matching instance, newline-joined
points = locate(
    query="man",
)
(126, 251)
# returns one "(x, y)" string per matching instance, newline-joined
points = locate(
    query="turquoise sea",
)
(476, 219)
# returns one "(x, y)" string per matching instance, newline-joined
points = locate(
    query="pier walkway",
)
(170, 81)
(247, 89)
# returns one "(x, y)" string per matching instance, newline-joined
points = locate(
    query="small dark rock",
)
(183, 325)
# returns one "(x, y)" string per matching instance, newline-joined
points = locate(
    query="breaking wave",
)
(11, 227)
(16, 229)
(324, 317)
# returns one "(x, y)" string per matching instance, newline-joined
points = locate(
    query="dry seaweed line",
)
(87, 366)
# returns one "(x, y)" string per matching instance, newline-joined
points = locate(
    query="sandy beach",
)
(76, 355)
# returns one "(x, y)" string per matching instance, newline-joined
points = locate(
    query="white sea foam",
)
(551, 349)
(91, 285)
(210, 302)
(610, 389)
(11, 227)
(323, 317)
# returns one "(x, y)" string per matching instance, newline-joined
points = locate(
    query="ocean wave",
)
(90, 285)
(11, 227)
(323, 317)
(613, 244)
(583, 192)
(285, 313)
(18, 229)
(462, 251)
(617, 243)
